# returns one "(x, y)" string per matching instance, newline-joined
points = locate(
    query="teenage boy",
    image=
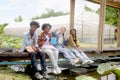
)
(30, 45)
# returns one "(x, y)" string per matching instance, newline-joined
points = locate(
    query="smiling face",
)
(73, 32)
(62, 30)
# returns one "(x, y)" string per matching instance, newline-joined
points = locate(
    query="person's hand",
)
(29, 49)
(37, 49)
(17, 51)
(79, 49)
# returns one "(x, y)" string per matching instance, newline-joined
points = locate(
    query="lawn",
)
(7, 73)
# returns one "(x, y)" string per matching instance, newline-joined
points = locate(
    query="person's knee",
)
(32, 54)
(48, 52)
(41, 53)
(76, 52)
(56, 51)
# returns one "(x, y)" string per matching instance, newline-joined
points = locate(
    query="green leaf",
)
(107, 68)
(116, 70)
(104, 69)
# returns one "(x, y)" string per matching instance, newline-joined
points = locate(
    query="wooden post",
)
(118, 29)
(101, 25)
(72, 11)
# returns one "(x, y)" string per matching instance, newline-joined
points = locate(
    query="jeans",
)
(80, 55)
(53, 55)
(41, 55)
(66, 52)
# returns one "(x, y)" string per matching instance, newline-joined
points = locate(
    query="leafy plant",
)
(2, 27)
(10, 41)
(107, 68)
(111, 16)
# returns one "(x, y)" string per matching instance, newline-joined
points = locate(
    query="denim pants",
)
(80, 55)
(53, 55)
(66, 52)
(41, 55)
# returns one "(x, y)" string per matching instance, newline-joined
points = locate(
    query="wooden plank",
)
(91, 52)
(118, 29)
(27, 62)
(114, 4)
(101, 25)
(14, 63)
(72, 11)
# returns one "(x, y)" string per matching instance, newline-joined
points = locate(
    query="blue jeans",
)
(80, 55)
(66, 52)
(41, 55)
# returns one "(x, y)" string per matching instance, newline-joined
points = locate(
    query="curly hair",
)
(34, 23)
(45, 25)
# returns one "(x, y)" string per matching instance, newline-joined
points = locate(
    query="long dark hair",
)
(74, 36)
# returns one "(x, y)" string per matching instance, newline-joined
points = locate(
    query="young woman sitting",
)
(74, 46)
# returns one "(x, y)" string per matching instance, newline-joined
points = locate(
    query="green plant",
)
(10, 41)
(111, 16)
(2, 27)
(107, 68)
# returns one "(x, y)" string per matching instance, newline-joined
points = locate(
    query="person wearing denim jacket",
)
(30, 38)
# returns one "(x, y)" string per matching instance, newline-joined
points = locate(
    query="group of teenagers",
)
(52, 43)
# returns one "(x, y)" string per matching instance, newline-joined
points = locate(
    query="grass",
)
(7, 73)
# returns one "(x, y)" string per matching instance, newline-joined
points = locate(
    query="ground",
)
(8, 74)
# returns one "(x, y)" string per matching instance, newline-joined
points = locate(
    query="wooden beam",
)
(108, 3)
(118, 29)
(101, 25)
(72, 11)
(91, 52)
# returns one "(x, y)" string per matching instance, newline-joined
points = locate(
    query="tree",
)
(111, 16)
(18, 19)
(50, 13)
(88, 9)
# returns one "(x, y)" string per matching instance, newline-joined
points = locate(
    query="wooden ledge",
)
(9, 55)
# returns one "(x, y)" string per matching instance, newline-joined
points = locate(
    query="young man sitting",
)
(30, 45)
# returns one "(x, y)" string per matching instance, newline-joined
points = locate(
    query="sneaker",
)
(45, 75)
(77, 65)
(75, 61)
(90, 61)
(85, 62)
(58, 70)
(38, 76)
(54, 71)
